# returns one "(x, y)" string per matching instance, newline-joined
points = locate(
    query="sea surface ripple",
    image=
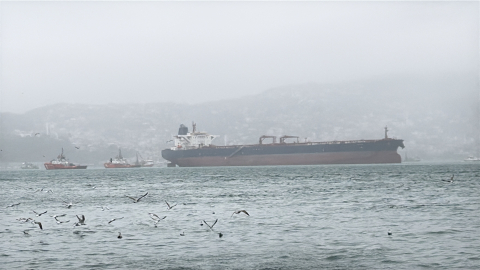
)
(301, 217)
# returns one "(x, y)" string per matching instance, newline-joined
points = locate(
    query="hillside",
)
(437, 118)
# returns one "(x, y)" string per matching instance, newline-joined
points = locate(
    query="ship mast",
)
(386, 130)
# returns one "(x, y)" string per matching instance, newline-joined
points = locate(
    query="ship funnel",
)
(183, 130)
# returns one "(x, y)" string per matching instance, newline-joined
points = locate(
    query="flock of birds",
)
(156, 219)
(81, 218)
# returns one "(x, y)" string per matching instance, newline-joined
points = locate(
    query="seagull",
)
(182, 234)
(39, 214)
(81, 221)
(114, 220)
(389, 232)
(55, 216)
(26, 232)
(211, 227)
(39, 224)
(119, 235)
(12, 205)
(137, 200)
(60, 222)
(37, 134)
(239, 211)
(24, 219)
(156, 218)
(77, 147)
(168, 205)
(68, 204)
(104, 208)
(220, 235)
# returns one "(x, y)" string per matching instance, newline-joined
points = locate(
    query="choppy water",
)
(301, 217)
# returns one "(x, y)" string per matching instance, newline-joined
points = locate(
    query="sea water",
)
(395, 216)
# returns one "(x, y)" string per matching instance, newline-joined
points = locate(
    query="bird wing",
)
(131, 197)
(142, 196)
(245, 212)
(214, 222)
(39, 225)
(207, 224)
(153, 216)
(168, 204)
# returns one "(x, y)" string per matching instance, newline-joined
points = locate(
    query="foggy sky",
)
(191, 52)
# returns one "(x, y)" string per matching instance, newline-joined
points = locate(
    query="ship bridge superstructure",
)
(191, 140)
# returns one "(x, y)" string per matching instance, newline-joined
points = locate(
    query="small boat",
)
(120, 162)
(472, 158)
(145, 162)
(62, 163)
(29, 166)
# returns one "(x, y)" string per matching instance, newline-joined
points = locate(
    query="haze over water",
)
(301, 217)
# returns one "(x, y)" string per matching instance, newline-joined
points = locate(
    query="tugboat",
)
(62, 163)
(120, 162)
(29, 166)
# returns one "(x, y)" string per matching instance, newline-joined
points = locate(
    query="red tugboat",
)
(61, 163)
(120, 162)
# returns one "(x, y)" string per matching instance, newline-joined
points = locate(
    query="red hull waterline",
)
(50, 166)
(360, 157)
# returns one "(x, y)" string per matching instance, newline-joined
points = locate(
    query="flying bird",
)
(81, 221)
(39, 214)
(60, 222)
(77, 147)
(24, 219)
(12, 205)
(240, 211)
(68, 204)
(114, 220)
(156, 218)
(211, 227)
(168, 205)
(137, 200)
(38, 223)
(37, 134)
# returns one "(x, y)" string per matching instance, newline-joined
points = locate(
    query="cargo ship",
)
(62, 163)
(195, 149)
(120, 162)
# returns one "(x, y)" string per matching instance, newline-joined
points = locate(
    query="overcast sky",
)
(191, 52)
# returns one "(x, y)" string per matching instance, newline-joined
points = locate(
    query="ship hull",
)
(353, 152)
(50, 166)
(116, 166)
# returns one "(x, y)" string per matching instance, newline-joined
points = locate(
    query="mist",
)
(195, 52)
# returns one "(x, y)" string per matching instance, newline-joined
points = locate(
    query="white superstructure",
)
(191, 140)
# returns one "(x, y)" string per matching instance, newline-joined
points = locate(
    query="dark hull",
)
(351, 152)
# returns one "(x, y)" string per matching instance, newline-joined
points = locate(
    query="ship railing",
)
(295, 143)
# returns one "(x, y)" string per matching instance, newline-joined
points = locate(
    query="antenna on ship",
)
(194, 127)
(386, 130)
